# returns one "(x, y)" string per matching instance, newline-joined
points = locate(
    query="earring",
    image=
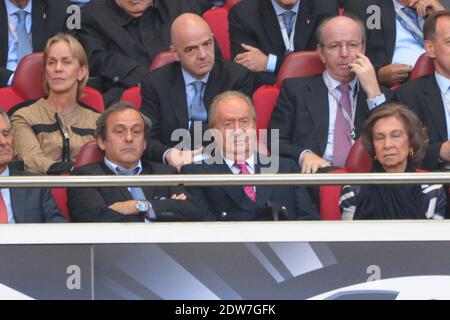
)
(411, 154)
(375, 157)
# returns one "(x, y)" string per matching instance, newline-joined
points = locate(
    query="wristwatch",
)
(142, 207)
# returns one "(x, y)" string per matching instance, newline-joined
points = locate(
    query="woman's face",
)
(391, 143)
(62, 69)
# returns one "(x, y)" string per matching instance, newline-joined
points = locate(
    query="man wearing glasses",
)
(320, 116)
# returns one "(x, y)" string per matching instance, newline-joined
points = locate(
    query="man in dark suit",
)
(121, 134)
(319, 117)
(263, 32)
(396, 43)
(25, 26)
(233, 120)
(121, 37)
(22, 205)
(171, 99)
(429, 96)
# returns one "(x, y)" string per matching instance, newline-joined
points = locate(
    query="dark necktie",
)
(341, 143)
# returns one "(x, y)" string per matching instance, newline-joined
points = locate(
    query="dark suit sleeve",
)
(306, 210)
(4, 76)
(282, 118)
(151, 109)
(88, 205)
(103, 62)
(197, 195)
(431, 160)
(49, 210)
(245, 83)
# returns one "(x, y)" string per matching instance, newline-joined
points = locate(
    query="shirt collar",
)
(188, 79)
(443, 82)
(280, 10)
(114, 166)
(5, 173)
(334, 83)
(250, 162)
(11, 8)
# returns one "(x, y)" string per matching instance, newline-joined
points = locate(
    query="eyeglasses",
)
(351, 46)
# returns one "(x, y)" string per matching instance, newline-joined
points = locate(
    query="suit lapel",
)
(362, 110)
(39, 25)
(432, 99)
(318, 106)
(303, 26)
(212, 87)
(389, 27)
(178, 97)
(263, 192)
(18, 200)
(123, 191)
(3, 35)
(271, 25)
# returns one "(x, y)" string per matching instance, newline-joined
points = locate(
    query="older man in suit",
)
(320, 116)
(121, 134)
(22, 205)
(25, 26)
(263, 32)
(178, 95)
(233, 120)
(396, 44)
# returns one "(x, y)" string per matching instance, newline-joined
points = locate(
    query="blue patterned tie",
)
(412, 14)
(288, 17)
(23, 38)
(136, 192)
(197, 111)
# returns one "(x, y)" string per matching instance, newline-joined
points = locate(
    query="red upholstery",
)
(162, 59)
(217, 19)
(423, 66)
(28, 84)
(264, 98)
(60, 196)
(358, 160)
(89, 153)
(230, 3)
(300, 64)
(133, 95)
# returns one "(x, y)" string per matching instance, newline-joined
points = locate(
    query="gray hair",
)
(223, 96)
(319, 31)
(101, 129)
(5, 115)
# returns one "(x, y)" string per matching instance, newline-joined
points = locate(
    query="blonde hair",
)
(78, 52)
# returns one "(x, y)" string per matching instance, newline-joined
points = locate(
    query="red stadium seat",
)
(162, 59)
(264, 98)
(230, 3)
(217, 19)
(28, 84)
(300, 64)
(60, 196)
(358, 161)
(89, 153)
(133, 95)
(424, 66)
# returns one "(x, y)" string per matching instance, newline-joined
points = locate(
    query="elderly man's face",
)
(134, 7)
(342, 41)
(237, 128)
(6, 144)
(125, 141)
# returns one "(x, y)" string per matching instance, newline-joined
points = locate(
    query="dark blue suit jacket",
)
(230, 203)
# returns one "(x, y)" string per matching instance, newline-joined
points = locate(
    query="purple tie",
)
(249, 190)
(341, 143)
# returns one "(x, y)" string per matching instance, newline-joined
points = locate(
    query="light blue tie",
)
(288, 17)
(23, 38)
(412, 14)
(136, 192)
(197, 111)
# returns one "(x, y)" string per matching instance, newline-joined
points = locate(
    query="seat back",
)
(133, 95)
(265, 99)
(424, 66)
(161, 59)
(9, 98)
(358, 160)
(89, 153)
(300, 64)
(93, 98)
(28, 81)
(60, 196)
(217, 19)
(329, 199)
